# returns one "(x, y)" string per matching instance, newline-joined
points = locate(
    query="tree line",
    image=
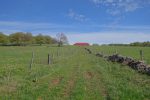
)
(142, 44)
(26, 38)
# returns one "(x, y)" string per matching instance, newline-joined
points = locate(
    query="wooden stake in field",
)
(32, 60)
(141, 55)
(49, 59)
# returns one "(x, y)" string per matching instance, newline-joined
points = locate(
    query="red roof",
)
(82, 44)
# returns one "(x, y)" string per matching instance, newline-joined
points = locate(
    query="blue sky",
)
(93, 21)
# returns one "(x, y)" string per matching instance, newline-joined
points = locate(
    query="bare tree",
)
(61, 39)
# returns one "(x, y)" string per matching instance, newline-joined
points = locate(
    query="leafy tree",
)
(95, 44)
(28, 38)
(48, 39)
(17, 38)
(22, 39)
(3, 38)
(39, 39)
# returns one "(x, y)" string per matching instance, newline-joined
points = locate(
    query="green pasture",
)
(72, 75)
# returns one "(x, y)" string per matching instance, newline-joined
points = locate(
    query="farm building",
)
(82, 44)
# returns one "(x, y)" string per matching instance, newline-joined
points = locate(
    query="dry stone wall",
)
(140, 66)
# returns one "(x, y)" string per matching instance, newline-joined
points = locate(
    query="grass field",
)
(72, 75)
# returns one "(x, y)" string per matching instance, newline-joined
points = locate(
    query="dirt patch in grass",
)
(89, 75)
(70, 83)
(55, 82)
(105, 94)
(103, 88)
(68, 88)
(8, 88)
(39, 98)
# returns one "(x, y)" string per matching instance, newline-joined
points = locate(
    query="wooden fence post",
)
(141, 55)
(32, 60)
(49, 59)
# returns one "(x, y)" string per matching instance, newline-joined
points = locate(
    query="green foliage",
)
(28, 38)
(17, 38)
(23, 39)
(95, 44)
(3, 38)
(20, 38)
(39, 39)
(48, 40)
(142, 44)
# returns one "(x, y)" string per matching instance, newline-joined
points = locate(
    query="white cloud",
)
(39, 27)
(115, 7)
(113, 12)
(15, 26)
(25, 26)
(76, 16)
